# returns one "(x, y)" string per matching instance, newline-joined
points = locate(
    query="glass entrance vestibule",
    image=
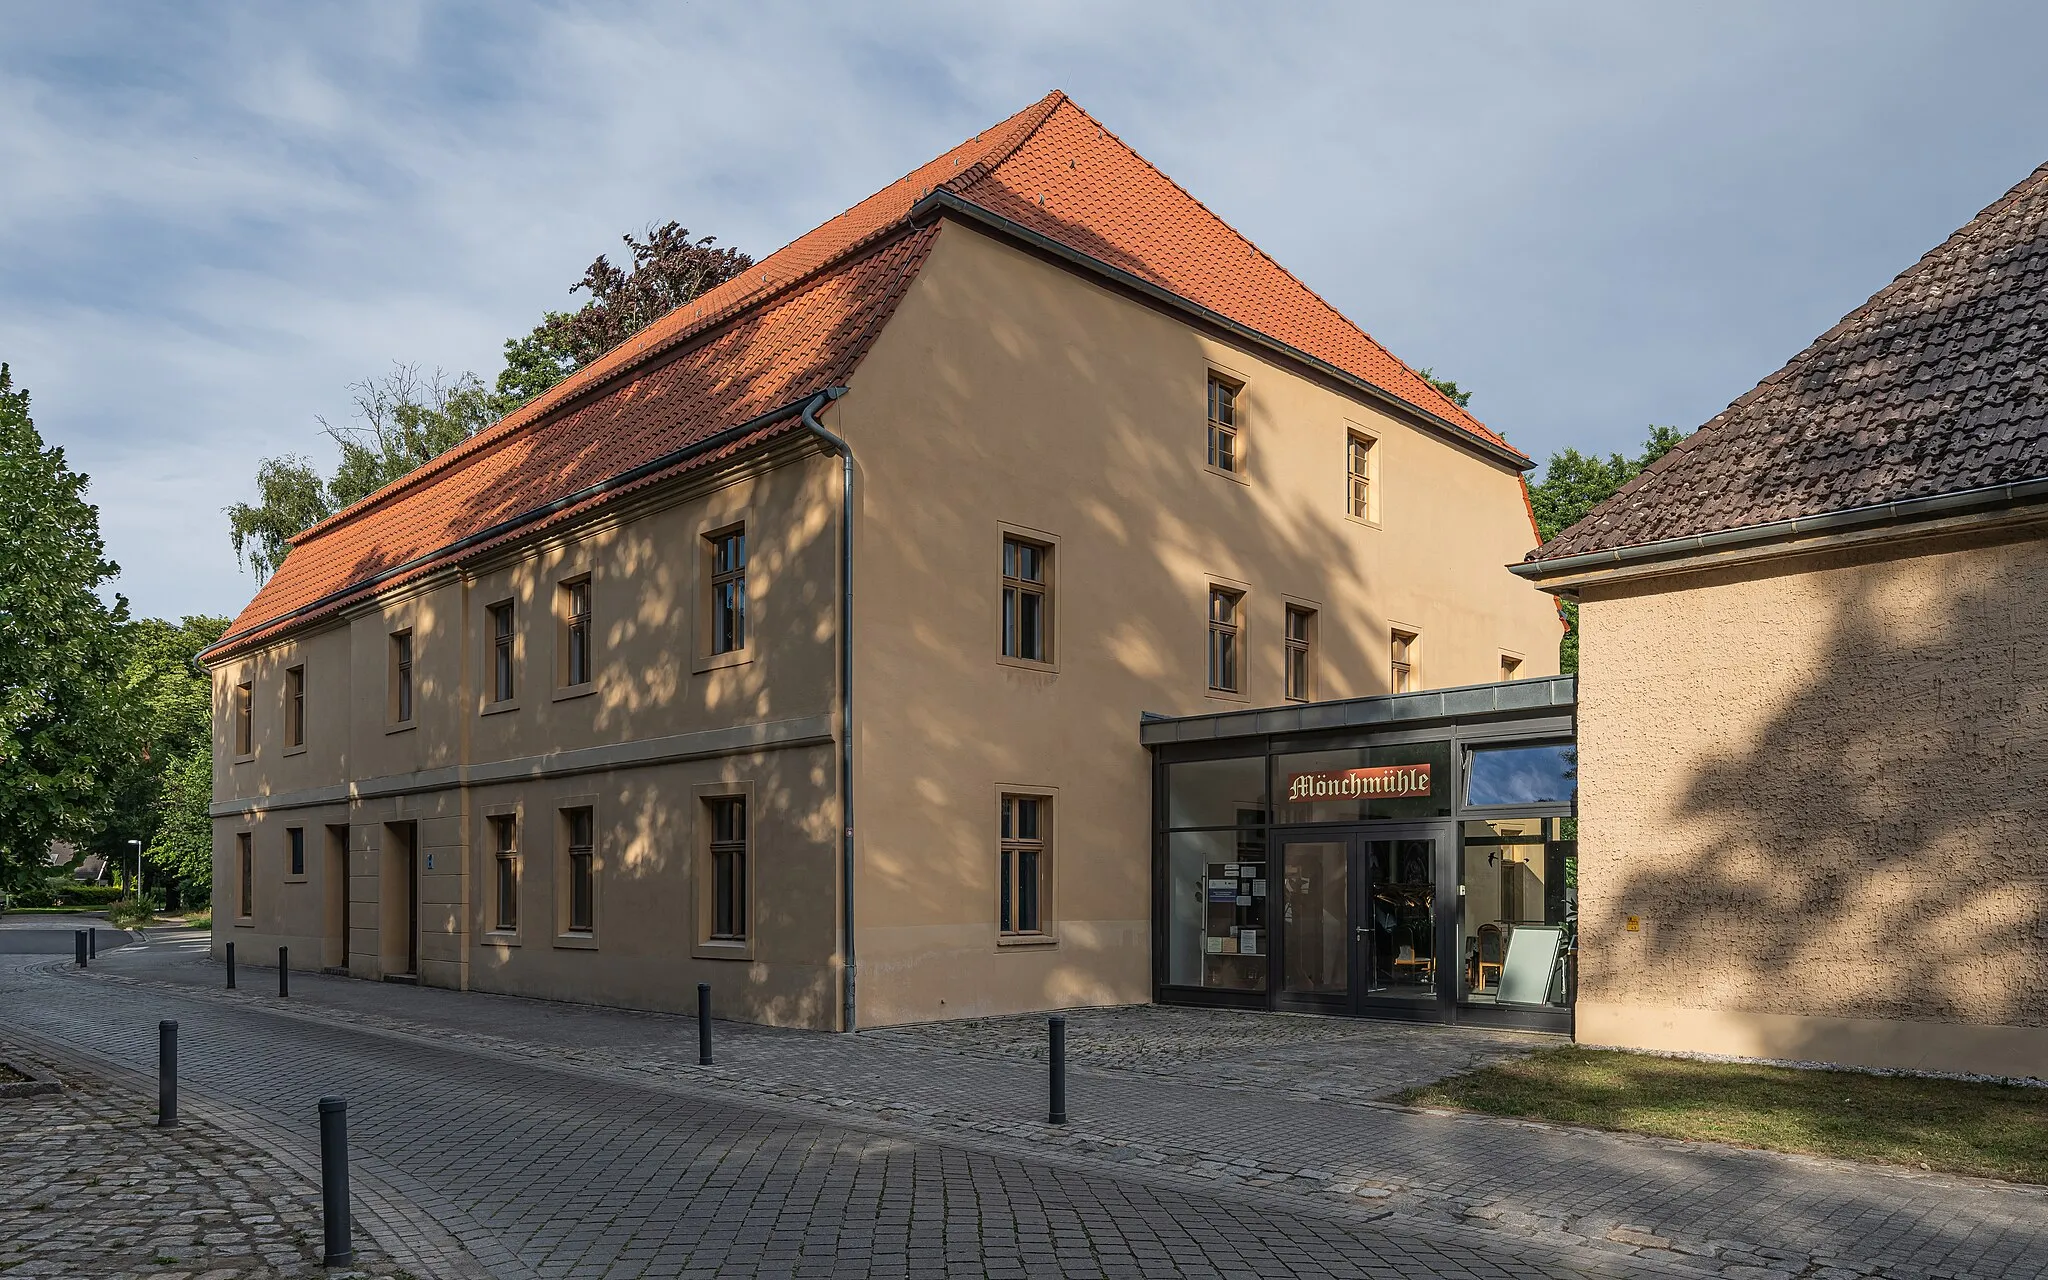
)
(1411, 856)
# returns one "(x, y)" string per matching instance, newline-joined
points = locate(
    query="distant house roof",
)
(793, 324)
(1938, 385)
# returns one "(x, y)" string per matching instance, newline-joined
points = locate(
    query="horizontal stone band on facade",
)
(770, 735)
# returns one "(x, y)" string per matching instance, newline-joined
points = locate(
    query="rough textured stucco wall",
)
(1819, 787)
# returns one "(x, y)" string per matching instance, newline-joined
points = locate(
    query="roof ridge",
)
(1022, 129)
(535, 413)
(1052, 102)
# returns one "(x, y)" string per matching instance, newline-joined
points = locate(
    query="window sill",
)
(297, 879)
(576, 941)
(406, 727)
(1026, 664)
(1027, 940)
(1236, 477)
(1362, 521)
(245, 922)
(1225, 695)
(242, 759)
(720, 661)
(499, 708)
(498, 938)
(295, 751)
(583, 690)
(721, 949)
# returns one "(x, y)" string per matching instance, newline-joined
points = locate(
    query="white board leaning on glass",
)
(1525, 974)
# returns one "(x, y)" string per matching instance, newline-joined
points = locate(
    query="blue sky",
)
(214, 217)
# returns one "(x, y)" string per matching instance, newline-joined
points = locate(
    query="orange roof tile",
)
(794, 323)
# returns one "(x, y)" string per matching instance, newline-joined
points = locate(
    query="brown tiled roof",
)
(1937, 385)
(794, 323)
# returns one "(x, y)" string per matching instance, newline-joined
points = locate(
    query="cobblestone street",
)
(553, 1139)
(92, 1187)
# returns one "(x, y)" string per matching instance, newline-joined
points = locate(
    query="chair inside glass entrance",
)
(1519, 911)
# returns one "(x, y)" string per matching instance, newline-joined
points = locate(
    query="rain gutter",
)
(1834, 525)
(848, 1006)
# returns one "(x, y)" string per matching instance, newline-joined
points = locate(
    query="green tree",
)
(1452, 391)
(166, 703)
(404, 419)
(60, 649)
(1573, 484)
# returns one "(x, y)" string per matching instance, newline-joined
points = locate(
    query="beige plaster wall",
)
(655, 683)
(1815, 787)
(1008, 394)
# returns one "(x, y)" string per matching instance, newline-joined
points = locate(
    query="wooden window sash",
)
(295, 706)
(295, 850)
(729, 590)
(245, 719)
(1226, 658)
(401, 653)
(1021, 909)
(1404, 662)
(729, 868)
(504, 675)
(245, 849)
(1223, 425)
(1359, 474)
(582, 871)
(578, 665)
(505, 831)
(1027, 591)
(1300, 655)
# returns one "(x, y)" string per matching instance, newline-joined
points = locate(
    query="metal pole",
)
(92, 942)
(1057, 1113)
(703, 1024)
(334, 1181)
(78, 945)
(231, 966)
(166, 1074)
(284, 971)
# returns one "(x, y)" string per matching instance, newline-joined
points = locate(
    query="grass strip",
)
(1986, 1130)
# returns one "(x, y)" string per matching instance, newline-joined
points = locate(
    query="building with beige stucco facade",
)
(800, 645)
(1814, 695)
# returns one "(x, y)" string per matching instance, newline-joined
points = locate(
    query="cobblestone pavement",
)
(1276, 1123)
(89, 1186)
(543, 1168)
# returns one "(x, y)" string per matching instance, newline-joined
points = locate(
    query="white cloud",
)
(213, 219)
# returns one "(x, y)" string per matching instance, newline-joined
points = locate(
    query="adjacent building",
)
(800, 645)
(1814, 702)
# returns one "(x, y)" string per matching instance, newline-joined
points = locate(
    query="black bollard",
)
(703, 1024)
(284, 971)
(1057, 1113)
(166, 1074)
(78, 947)
(92, 942)
(231, 966)
(334, 1180)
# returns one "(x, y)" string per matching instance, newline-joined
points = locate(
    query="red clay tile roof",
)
(796, 322)
(1937, 385)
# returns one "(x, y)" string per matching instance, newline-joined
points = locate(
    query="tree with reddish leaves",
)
(668, 270)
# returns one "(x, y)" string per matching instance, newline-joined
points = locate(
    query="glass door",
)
(1397, 922)
(1365, 917)
(1315, 923)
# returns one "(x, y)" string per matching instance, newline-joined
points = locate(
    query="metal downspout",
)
(833, 444)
